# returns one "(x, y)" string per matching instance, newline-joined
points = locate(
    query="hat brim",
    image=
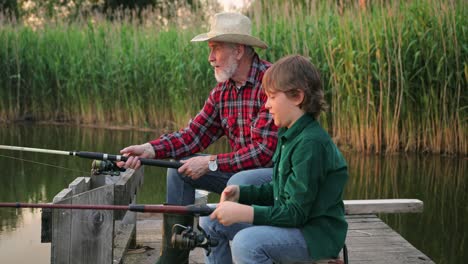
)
(232, 38)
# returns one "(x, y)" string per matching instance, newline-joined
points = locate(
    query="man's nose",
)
(211, 57)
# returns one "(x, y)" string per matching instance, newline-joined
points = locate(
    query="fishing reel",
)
(99, 167)
(187, 237)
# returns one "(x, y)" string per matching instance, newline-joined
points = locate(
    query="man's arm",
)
(202, 131)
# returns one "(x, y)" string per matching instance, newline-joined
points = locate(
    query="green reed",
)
(101, 73)
(395, 73)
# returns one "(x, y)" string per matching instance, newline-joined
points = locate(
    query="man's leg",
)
(181, 189)
(252, 177)
(268, 244)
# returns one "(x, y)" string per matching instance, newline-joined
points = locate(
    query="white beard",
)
(226, 73)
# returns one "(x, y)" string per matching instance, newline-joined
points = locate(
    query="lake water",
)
(440, 182)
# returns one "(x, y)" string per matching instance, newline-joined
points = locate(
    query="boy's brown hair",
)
(293, 73)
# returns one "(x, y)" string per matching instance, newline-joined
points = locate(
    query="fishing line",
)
(45, 164)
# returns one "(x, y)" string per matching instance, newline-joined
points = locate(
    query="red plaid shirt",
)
(239, 114)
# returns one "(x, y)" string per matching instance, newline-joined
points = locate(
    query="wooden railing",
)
(93, 236)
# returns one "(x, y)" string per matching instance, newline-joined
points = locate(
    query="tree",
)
(9, 8)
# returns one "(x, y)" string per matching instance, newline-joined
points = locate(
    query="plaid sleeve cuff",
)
(159, 150)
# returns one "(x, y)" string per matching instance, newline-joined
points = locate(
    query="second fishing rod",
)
(96, 156)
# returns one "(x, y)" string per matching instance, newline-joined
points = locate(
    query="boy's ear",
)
(299, 99)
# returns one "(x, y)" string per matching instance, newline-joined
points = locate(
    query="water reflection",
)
(441, 182)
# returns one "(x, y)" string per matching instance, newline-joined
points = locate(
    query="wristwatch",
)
(213, 163)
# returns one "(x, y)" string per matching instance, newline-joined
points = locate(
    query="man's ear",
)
(240, 50)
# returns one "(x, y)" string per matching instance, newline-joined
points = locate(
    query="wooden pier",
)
(369, 239)
(92, 236)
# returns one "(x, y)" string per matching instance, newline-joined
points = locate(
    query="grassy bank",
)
(395, 74)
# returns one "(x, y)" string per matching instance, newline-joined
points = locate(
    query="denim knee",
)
(205, 223)
(246, 250)
(251, 177)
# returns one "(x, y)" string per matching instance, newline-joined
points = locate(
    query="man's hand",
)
(195, 167)
(134, 153)
(228, 213)
(230, 193)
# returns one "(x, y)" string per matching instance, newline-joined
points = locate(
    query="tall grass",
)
(395, 73)
(102, 73)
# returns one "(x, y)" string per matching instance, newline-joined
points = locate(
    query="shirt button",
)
(282, 146)
(276, 198)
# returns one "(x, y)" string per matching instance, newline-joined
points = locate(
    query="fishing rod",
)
(183, 237)
(97, 156)
(196, 210)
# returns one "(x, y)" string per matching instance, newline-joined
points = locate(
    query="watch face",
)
(212, 165)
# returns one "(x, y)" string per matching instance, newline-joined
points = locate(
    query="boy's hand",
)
(228, 213)
(230, 193)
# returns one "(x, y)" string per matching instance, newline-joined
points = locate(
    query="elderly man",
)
(235, 109)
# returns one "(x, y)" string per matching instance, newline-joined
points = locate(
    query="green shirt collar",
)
(292, 132)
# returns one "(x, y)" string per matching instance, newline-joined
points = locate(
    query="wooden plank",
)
(383, 206)
(360, 207)
(126, 189)
(92, 230)
(79, 185)
(62, 195)
(370, 240)
(123, 236)
(61, 223)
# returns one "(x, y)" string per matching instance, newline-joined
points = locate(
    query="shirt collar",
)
(292, 132)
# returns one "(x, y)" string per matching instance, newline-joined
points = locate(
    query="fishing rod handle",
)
(200, 209)
(150, 162)
(193, 209)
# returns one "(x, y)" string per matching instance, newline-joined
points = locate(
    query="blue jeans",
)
(181, 189)
(254, 244)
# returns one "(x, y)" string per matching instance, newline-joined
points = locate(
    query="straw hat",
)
(233, 28)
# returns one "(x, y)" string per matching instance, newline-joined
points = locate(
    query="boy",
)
(299, 216)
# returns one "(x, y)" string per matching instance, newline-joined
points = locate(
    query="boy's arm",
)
(261, 195)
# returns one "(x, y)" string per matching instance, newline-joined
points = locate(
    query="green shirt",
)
(307, 188)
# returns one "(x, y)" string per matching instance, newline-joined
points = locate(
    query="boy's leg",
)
(221, 254)
(181, 191)
(268, 244)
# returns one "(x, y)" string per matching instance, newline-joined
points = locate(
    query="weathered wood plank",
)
(82, 236)
(62, 195)
(126, 189)
(125, 192)
(123, 236)
(383, 206)
(79, 185)
(92, 230)
(61, 222)
(360, 207)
